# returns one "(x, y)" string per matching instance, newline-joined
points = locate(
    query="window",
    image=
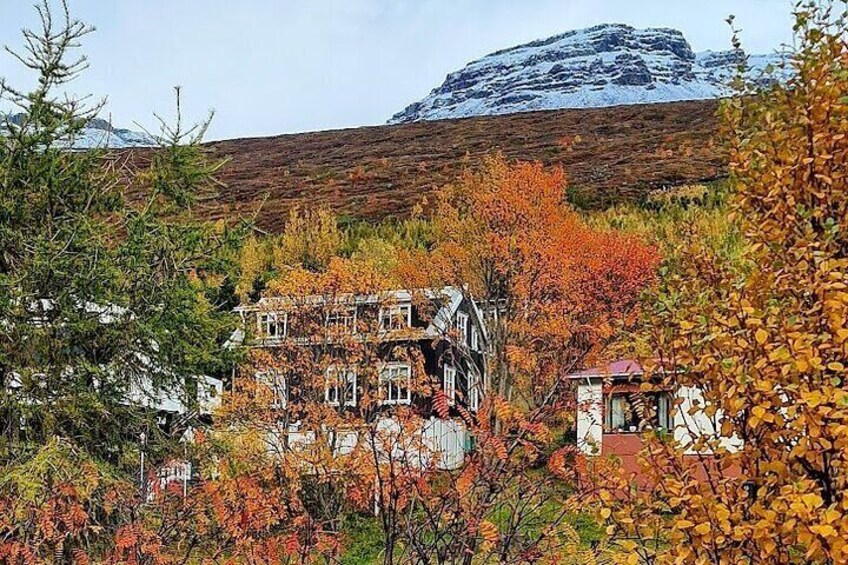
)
(462, 327)
(278, 385)
(343, 320)
(340, 387)
(475, 339)
(449, 385)
(473, 390)
(631, 412)
(470, 443)
(396, 317)
(395, 384)
(272, 325)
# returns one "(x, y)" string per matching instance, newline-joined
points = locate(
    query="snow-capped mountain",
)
(99, 133)
(606, 65)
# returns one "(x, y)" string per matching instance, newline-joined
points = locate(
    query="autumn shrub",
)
(764, 337)
(57, 503)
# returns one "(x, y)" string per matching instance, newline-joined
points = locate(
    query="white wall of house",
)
(444, 440)
(440, 442)
(447, 440)
(590, 415)
(144, 393)
(691, 421)
(209, 392)
(346, 442)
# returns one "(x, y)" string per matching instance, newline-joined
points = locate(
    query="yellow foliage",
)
(763, 336)
(310, 239)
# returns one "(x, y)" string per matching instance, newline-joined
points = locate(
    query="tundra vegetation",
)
(738, 288)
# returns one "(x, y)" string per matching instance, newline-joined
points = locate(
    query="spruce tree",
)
(103, 298)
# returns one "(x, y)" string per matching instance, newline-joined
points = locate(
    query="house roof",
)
(441, 322)
(346, 298)
(619, 368)
(449, 298)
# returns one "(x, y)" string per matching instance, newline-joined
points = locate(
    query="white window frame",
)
(393, 313)
(462, 322)
(473, 384)
(349, 376)
(279, 386)
(387, 382)
(449, 384)
(660, 403)
(475, 339)
(343, 314)
(280, 320)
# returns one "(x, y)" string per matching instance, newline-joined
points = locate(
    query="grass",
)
(364, 544)
(364, 541)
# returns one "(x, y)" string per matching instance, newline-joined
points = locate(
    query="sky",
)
(280, 66)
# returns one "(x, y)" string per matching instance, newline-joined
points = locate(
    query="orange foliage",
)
(279, 476)
(554, 292)
(505, 233)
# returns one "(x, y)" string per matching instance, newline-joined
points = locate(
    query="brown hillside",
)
(375, 172)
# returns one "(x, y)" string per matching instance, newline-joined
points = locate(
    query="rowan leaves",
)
(441, 404)
(489, 532)
(554, 290)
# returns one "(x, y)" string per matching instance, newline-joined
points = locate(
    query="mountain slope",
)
(100, 133)
(606, 65)
(384, 171)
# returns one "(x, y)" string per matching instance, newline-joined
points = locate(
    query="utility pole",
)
(143, 441)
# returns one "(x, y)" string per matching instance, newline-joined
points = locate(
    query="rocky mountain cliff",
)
(100, 133)
(606, 65)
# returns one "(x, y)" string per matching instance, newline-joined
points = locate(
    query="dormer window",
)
(396, 317)
(272, 325)
(475, 339)
(343, 320)
(462, 328)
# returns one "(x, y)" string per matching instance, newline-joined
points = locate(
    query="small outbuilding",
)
(614, 412)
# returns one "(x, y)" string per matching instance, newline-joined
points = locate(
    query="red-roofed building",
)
(613, 413)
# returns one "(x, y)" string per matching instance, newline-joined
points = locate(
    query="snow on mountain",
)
(606, 65)
(99, 133)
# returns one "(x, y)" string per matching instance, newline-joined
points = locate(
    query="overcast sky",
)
(279, 66)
